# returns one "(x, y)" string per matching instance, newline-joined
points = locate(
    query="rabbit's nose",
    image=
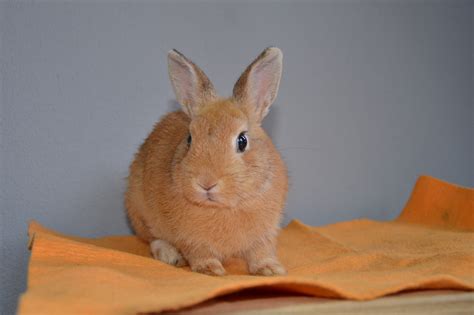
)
(207, 186)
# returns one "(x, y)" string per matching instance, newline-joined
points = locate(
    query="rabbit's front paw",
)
(167, 253)
(210, 266)
(267, 267)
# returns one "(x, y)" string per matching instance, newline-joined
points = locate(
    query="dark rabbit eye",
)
(242, 142)
(189, 139)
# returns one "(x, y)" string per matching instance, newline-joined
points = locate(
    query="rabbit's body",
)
(229, 231)
(200, 199)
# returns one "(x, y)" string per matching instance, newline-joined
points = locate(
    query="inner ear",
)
(257, 87)
(192, 87)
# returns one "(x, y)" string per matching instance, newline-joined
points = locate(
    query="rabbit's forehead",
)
(223, 125)
(219, 119)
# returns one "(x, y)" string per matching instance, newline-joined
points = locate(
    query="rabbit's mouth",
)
(214, 203)
(211, 199)
(207, 199)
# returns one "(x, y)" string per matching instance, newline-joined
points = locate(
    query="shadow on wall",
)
(271, 121)
(106, 195)
(173, 106)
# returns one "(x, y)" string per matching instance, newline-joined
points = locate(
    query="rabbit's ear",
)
(257, 87)
(191, 85)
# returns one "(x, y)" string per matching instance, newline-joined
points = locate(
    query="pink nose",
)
(207, 186)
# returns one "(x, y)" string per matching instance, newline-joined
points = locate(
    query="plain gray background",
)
(374, 93)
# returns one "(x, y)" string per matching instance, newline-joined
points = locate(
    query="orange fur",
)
(164, 202)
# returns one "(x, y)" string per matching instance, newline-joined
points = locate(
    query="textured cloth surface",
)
(429, 246)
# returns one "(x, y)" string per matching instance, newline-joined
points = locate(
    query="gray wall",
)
(373, 95)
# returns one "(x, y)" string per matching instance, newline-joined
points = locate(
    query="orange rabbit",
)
(208, 184)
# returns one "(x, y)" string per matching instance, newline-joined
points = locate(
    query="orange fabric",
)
(430, 246)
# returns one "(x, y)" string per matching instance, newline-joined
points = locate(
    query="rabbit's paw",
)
(267, 267)
(210, 266)
(167, 253)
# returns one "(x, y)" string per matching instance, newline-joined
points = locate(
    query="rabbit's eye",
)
(189, 139)
(242, 142)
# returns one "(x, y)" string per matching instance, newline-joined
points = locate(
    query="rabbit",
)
(208, 184)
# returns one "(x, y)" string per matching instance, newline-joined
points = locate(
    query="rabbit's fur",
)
(192, 194)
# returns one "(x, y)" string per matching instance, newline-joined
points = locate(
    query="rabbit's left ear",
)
(257, 87)
(192, 87)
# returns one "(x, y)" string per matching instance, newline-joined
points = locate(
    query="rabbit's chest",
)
(229, 233)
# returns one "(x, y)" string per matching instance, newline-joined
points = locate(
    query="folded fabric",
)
(429, 246)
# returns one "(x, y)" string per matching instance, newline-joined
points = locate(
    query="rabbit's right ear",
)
(191, 85)
(257, 87)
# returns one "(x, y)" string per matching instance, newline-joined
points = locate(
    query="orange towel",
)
(430, 246)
